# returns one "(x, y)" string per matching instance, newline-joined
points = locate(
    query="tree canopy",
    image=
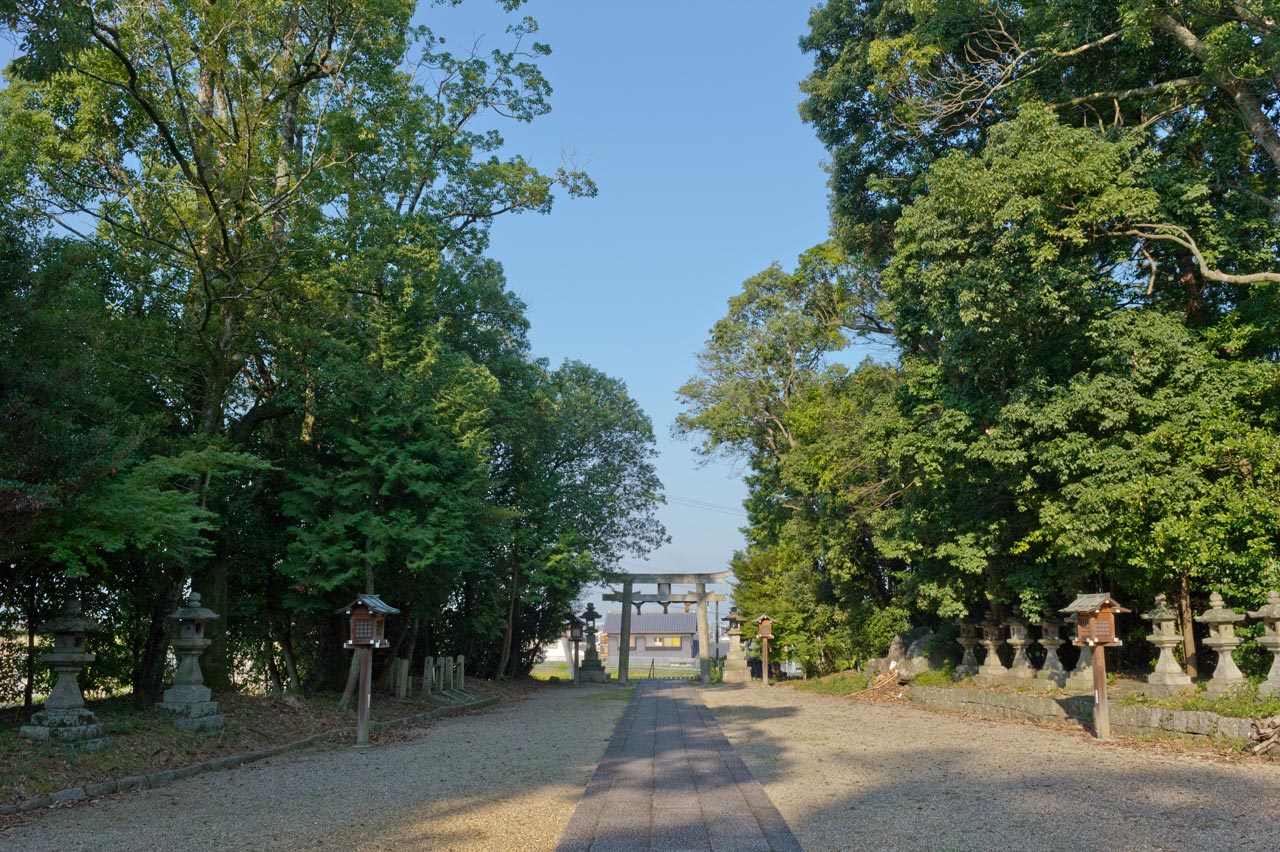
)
(253, 342)
(1061, 218)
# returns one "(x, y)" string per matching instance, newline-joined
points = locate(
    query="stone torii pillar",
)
(701, 597)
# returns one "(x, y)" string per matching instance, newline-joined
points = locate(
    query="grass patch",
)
(1243, 702)
(943, 677)
(841, 683)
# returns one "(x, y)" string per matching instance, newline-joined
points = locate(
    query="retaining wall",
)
(1078, 709)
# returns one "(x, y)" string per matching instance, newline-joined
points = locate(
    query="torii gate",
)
(628, 598)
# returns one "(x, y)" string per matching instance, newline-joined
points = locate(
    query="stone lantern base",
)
(736, 671)
(73, 727)
(190, 709)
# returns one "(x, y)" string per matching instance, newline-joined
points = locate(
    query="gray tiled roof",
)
(673, 623)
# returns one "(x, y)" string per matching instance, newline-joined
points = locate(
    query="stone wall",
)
(1078, 709)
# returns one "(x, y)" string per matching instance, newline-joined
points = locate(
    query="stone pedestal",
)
(992, 671)
(1270, 640)
(1168, 677)
(968, 641)
(64, 718)
(188, 703)
(1051, 673)
(1081, 677)
(1021, 672)
(1223, 639)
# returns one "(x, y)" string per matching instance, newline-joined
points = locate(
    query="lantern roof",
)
(1093, 604)
(763, 618)
(1217, 613)
(1272, 608)
(70, 621)
(734, 617)
(193, 611)
(1161, 611)
(372, 602)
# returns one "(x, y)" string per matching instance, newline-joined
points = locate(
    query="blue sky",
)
(685, 114)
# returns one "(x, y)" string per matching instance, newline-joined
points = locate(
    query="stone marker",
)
(1168, 677)
(448, 674)
(439, 674)
(1051, 673)
(460, 672)
(1270, 639)
(1223, 639)
(400, 677)
(428, 675)
(64, 718)
(189, 702)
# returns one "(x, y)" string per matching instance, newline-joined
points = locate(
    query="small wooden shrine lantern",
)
(1096, 629)
(764, 627)
(1096, 619)
(368, 621)
(368, 628)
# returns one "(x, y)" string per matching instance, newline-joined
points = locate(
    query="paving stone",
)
(671, 781)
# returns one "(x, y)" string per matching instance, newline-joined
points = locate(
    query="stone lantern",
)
(1168, 677)
(64, 718)
(188, 702)
(1270, 639)
(1051, 673)
(992, 671)
(592, 670)
(735, 664)
(1223, 639)
(1021, 672)
(968, 641)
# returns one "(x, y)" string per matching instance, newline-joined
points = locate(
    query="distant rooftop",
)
(654, 622)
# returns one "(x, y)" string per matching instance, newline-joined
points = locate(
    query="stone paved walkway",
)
(670, 781)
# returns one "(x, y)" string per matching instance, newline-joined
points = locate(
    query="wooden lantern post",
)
(764, 631)
(368, 631)
(1096, 620)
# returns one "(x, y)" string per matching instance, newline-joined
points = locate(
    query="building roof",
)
(654, 622)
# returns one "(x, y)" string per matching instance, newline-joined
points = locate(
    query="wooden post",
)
(1101, 713)
(366, 690)
(624, 640)
(764, 669)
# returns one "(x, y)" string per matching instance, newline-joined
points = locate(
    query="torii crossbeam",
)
(628, 598)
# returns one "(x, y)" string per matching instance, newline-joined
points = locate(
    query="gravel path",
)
(850, 775)
(502, 779)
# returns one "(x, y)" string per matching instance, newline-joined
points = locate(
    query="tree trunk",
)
(353, 676)
(511, 618)
(148, 676)
(290, 658)
(273, 672)
(1188, 624)
(211, 583)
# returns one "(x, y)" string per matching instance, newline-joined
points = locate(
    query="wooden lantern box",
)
(1095, 619)
(368, 622)
(764, 629)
